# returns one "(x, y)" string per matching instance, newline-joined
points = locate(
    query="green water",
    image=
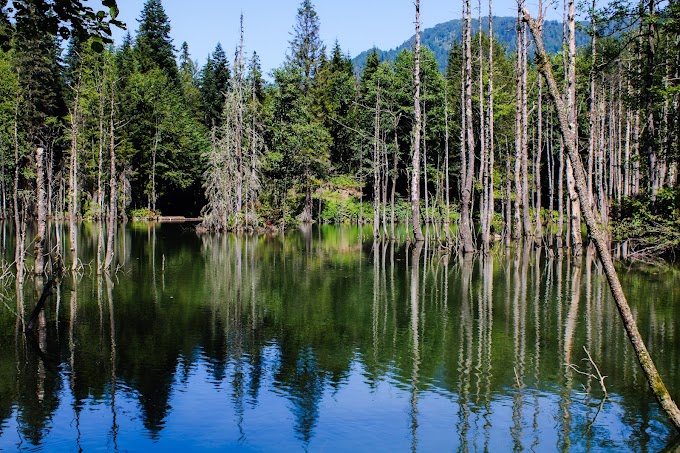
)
(324, 341)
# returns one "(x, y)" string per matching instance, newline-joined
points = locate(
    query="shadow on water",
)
(324, 339)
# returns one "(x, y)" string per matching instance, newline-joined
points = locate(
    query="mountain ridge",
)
(439, 38)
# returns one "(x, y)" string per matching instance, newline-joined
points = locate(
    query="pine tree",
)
(154, 49)
(306, 48)
(214, 84)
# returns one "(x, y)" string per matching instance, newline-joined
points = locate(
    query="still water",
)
(324, 341)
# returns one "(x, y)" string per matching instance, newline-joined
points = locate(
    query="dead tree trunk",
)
(653, 378)
(42, 213)
(575, 218)
(376, 167)
(113, 185)
(415, 176)
(73, 176)
(469, 145)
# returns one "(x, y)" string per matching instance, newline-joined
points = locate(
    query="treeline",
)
(136, 129)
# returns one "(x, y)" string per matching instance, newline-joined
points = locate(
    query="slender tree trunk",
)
(483, 137)
(42, 212)
(100, 161)
(154, 153)
(575, 217)
(539, 155)
(415, 176)
(376, 168)
(468, 175)
(73, 177)
(447, 218)
(113, 187)
(490, 128)
(646, 362)
(526, 216)
(395, 161)
(519, 130)
(18, 220)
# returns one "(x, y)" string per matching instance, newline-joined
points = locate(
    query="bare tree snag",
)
(653, 378)
(42, 212)
(415, 177)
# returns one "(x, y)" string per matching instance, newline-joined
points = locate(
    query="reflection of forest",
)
(298, 316)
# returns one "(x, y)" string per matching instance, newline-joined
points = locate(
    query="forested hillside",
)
(439, 39)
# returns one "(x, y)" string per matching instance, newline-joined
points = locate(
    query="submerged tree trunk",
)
(653, 378)
(415, 176)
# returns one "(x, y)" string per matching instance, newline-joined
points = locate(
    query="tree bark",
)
(468, 175)
(415, 176)
(42, 212)
(653, 378)
(113, 186)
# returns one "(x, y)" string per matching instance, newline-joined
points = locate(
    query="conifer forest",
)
(499, 135)
(473, 155)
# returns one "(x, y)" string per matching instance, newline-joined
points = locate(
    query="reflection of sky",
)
(356, 416)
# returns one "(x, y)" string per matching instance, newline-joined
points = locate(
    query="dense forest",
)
(91, 130)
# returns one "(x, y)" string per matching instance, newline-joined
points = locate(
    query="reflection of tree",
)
(302, 381)
(38, 386)
(415, 341)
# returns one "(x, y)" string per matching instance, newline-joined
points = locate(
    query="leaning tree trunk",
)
(415, 177)
(646, 362)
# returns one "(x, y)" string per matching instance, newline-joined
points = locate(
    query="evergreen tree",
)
(334, 96)
(154, 47)
(215, 78)
(306, 48)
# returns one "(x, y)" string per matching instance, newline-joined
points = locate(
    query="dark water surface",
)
(321, 341)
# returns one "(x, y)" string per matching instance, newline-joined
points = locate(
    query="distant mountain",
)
(440, 37)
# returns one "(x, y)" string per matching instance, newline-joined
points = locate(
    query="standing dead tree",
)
(415, 176)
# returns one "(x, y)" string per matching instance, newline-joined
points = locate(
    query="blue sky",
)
(356, 24)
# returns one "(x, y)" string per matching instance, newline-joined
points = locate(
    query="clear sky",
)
(356, 24)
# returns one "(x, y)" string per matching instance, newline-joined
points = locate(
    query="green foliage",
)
(143, 214)
(652, 226)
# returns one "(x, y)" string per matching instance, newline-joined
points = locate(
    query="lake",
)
(321, 340)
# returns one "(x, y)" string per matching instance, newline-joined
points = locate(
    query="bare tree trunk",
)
(653, 378)
(483, 136)
(415, 177)
(73, 176)
(18, 220)
(154, 152)
(395, 160)
(3, 215)
(42, 212)
(468, 175)
(539, 155)
(425, 189)
(526, 216)
(113, 186)
(376, 168)
(488, 184)
(575, 218)
(447, 218)
(519, 130)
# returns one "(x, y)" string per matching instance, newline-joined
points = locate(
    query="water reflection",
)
(321, 340)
